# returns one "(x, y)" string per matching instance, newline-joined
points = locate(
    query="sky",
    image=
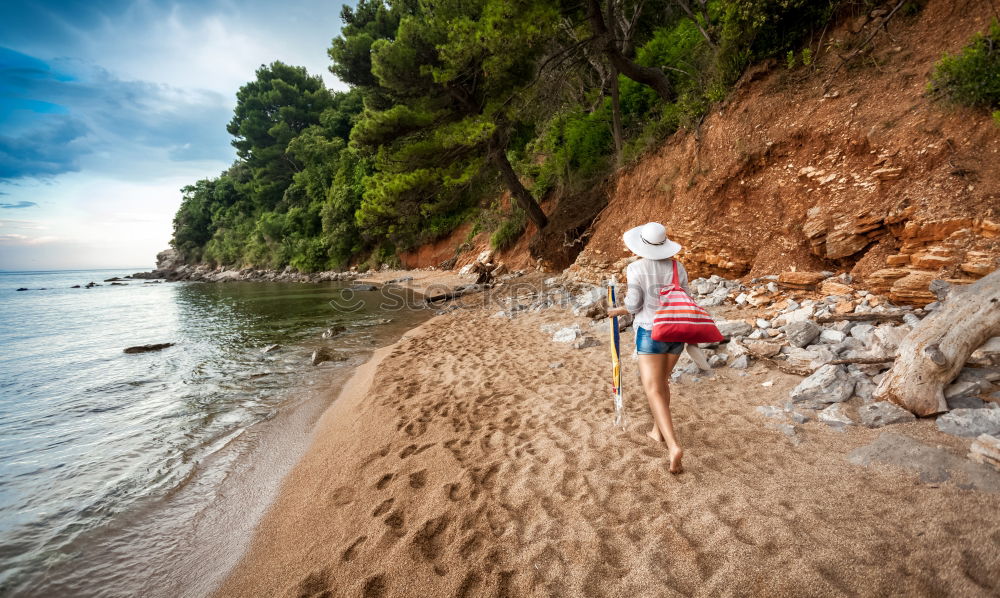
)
(109, 107)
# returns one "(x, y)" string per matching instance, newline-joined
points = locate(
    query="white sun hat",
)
(650, 241)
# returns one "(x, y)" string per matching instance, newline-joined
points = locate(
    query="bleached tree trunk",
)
(933, 353)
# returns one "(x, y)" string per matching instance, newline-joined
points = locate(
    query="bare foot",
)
(655, 435)
(675, 461)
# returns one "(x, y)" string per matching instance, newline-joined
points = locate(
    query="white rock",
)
(863, 332)
(798, 315)
(988, 353)
(718, 360)
(731, 328)
(763, 324)
(741, 298)
(832, 336)
(835, 416)
(801, 333)
(883, 413)
(740, 363)
(770, 411)
(970, 422)
(886, 339)
(767, 384)
(566, 335)
(828, 384)
(864, 388)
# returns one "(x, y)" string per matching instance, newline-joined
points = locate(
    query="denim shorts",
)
(645, 345)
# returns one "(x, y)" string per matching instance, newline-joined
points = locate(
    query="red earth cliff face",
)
(867, 175)
(851, 169)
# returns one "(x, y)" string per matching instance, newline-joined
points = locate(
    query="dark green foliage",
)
(453, 100)
(576, 147)
(972, 76)
(510, 230)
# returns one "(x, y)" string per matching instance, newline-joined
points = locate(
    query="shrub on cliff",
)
(972, 76)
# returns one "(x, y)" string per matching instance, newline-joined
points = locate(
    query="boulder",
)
(828, 384)
(864, 388)
(834, 287)
(835, 416)
(988, 353)
(740, 363)
(970, 422)
(883, 413)
(886, 339)
(801, 333)
(832, 336)
(323, 354)
(799, 314)
(333, 331)
(863, 332)
(731, 328)
(718, 360)
(800, 280)
(932, 464)
(966, 403)
(763, 348)
(970, 381)
(566, 335)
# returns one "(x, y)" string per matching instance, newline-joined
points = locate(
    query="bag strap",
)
(675, 282)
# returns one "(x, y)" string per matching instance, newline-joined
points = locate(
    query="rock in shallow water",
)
(148, 348)
(324, 354)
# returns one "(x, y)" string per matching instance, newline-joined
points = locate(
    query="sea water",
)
(144, 474)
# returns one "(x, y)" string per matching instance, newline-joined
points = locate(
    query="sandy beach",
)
(477, 457)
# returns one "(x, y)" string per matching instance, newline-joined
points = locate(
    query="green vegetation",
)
(452, 103)
(971, 77)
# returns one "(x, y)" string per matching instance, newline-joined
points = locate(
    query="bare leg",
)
(655, 371)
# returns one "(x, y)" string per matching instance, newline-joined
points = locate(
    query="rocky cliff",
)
(849, 168)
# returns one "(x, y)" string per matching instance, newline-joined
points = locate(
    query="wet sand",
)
(457, 462)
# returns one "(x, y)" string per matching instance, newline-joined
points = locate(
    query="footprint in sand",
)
(352, 550)
(418, 479)
(383, 508)
(384, 481)
(374, 587)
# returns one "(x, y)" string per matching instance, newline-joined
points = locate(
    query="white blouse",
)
(645, 278)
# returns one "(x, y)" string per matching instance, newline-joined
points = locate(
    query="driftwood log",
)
(933, 353)
(865, 317)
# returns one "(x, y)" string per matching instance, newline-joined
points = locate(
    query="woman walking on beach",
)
(645, 278)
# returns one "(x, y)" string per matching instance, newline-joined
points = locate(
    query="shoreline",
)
(476, 456)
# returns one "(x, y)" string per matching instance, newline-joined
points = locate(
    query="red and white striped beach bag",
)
(680, 320)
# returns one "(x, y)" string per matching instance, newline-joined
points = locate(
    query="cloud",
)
(69, 114)
(20, 204)
(8, 239)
